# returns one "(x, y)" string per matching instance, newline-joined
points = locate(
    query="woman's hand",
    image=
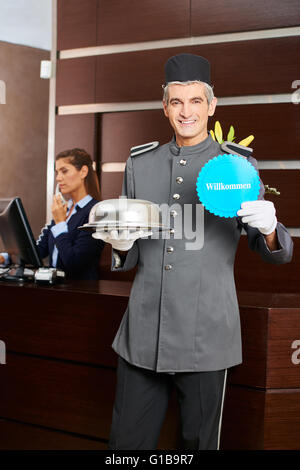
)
(2, 259)
(59, 210)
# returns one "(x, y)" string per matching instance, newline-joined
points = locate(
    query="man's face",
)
(188, 112)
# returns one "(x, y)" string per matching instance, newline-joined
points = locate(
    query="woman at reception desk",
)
(74, 251)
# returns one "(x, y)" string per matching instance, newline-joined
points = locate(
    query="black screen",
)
(16, 233)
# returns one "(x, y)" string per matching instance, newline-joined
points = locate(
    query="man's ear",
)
(165, 106)
(212, 106)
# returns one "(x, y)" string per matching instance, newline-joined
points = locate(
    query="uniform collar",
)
(191, 149)
(80, 204)
(84, 201)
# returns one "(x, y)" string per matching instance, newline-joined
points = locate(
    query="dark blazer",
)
(78, 251)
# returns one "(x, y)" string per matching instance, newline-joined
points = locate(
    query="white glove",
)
(122, 240)
(259, 214)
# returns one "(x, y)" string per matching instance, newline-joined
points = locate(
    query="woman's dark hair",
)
(79, 158)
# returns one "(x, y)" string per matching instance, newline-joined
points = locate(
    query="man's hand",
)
(121, 240)
(259, 214)
(59, 210)
(2, 259)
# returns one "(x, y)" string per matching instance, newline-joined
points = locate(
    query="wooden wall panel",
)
(243, 418)
(273, 64)
(240, 68)
(282, 426)
(19, 436)
(254, 328)
(56, 329)
(284, 329)
(75, 81)
(270, 323)
(287, 203)
(234, 15)
(76, 130)
(131, 128)
(132, 20)
(134, 76)
(84, 24)
(111, 185)
(24, 129)
(276, 128)
(253, 274)
(65, 397)
(261, 420)
(76, 23)
(59, 395)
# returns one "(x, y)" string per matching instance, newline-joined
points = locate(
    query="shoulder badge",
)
(236, 149)
(134, 151)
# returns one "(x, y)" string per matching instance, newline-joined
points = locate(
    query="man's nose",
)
(185, 110)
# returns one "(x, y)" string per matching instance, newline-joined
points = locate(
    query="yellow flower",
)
(219, 132)
(247, 140)
(218, 135)
(230, 135)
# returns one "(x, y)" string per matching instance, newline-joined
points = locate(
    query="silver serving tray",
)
(133, 226)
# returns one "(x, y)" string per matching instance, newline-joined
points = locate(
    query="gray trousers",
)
(142, 399)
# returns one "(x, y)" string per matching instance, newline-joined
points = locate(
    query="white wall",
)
(26, 22)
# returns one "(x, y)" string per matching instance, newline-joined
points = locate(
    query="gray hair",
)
(209, 93)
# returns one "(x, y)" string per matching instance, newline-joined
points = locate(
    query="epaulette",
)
(134, 151)
(236, 149)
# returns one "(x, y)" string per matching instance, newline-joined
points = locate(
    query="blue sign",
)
(225, 182)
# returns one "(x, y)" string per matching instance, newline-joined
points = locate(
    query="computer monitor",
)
(16, 234)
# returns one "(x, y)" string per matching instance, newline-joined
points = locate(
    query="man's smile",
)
(187, 122)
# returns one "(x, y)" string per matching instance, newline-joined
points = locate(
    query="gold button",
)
(179, 179)
(168, 267)
(182, 162)
(176, 196)
(173, 213)
(170, 249)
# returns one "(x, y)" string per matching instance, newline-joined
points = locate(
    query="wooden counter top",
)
(266, 300)
(59, 374)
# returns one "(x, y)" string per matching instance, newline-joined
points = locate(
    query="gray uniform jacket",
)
(183, 314)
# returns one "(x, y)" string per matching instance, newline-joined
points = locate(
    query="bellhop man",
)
(182, 327)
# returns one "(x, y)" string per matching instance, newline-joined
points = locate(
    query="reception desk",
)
(58, 369)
